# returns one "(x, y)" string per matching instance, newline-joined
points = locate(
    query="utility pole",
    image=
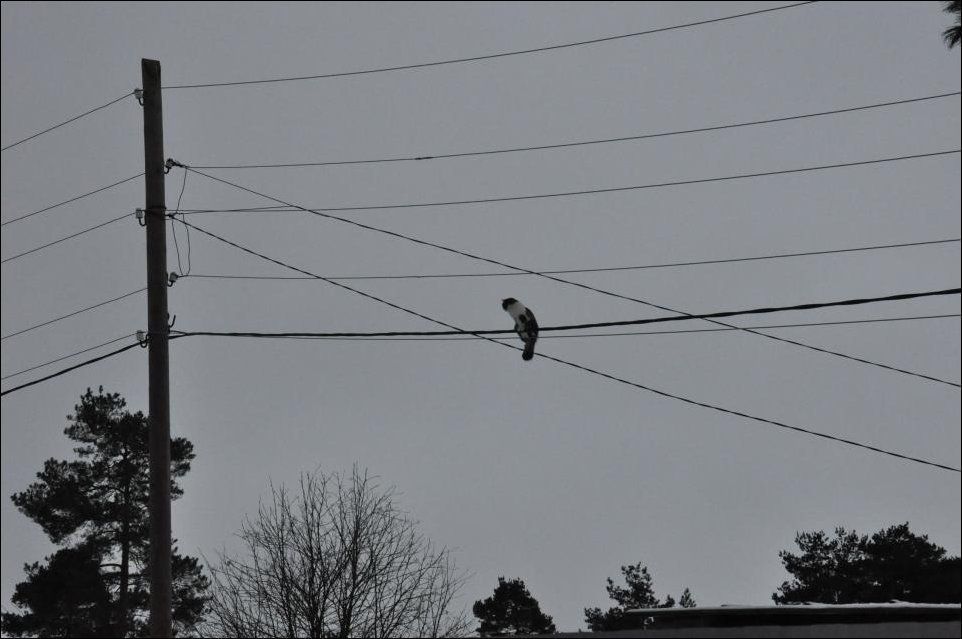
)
(161, 591)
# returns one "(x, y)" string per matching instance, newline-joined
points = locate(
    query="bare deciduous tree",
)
(338, 559)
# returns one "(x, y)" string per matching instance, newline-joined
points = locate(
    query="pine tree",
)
(953, 34)
(96, 507)
(894, 563)
(511, 611)
(640, 593)
(67, 597)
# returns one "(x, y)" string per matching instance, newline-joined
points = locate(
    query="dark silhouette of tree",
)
(639, 593)
(953, 34)
(511, 611)
(687, 600)
(335, 559)
(96, 506)
(892, 564)
(67, 597)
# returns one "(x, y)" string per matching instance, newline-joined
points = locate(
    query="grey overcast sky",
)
(531, 469)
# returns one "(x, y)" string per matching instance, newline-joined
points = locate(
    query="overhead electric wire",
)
(635, 322)
(73, 199)
(64, 239)
(676, 318)
(173, 231)
(73, 119)
(319, 277)
(246, 209)
(539, 196)
(582, 270)
(484, 57)
(445, 156)
(747, 416)
(560, 280)
(321, 336)
(63, 357)
(77, 312)
(71, 368)
(579, 366)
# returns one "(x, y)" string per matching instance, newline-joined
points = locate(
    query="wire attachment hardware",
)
(171, 163)
(173, 320)
(172, 279)
(142, 339)
(139, 94)
(141, 214)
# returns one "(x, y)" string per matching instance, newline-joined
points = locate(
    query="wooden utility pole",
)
(159, 376)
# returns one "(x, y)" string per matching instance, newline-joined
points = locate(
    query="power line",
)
(319, 277)
(860, 360)
(584, 368)
(246, 209)
(72, 368)
(560, 280)
(747, 416)
(676, 318)
(73, 119)
(594, 335)
(73, 199)
(64, 239)
(444, 156)
(63, 357)
(514, 198)
(77, 312)
(589, 370)
(485, 57)
(583, 270)
(635, 322)
(173, 231)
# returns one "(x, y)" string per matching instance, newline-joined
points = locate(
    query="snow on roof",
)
(810, 606)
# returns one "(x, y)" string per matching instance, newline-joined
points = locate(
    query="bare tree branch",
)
(335, 559)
